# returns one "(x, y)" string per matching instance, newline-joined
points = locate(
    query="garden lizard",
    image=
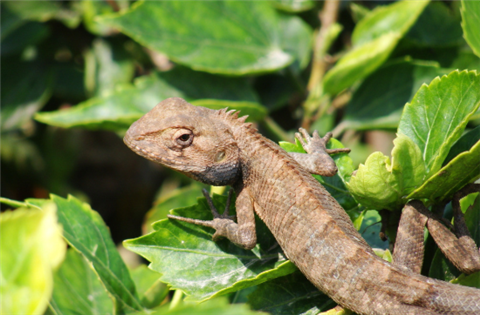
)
(218, 148)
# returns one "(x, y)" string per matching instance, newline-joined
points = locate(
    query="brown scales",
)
(310, 226)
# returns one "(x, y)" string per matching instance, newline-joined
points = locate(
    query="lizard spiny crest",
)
(232, 118)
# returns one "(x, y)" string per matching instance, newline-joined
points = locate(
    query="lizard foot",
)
(314, 143)
(220, 222)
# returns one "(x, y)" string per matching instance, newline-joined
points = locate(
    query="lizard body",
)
(313, 230)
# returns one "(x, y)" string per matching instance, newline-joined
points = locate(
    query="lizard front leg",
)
(242, 233)
(317, 160)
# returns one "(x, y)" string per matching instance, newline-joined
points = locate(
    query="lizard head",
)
(189, 139)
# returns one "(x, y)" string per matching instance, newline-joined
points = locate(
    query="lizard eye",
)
(184, 137)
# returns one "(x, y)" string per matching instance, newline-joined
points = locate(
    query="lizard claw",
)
(314, 143)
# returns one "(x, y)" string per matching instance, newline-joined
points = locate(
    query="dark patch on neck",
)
(219, 175)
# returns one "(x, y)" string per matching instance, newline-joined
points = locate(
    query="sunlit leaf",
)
(84, 230)
(31, 248)
(151, 290)
(470, 24)
(397, 17)
(461, 170)
(249, 31)
(187, 258)
(383, 184)
(77, 289)
(438, 114)
(117, 111)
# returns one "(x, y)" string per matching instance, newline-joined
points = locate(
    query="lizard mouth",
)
(142, 147)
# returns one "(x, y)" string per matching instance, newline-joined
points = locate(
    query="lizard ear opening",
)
(220, 156)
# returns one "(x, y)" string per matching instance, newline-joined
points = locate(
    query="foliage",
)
(408, 66)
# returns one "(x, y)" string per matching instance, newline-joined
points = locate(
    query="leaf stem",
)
(274, 128)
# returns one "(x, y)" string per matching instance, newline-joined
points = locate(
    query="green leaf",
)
(441, 268)
(397, 17)
(438, 114)
(379, 100)
(15, 13)
(465, 143)
(254, 111)
(291, 294)
(120, 109)
(107, 65)
(77, 289)
(335, 185)
(472, 280)
(360, 62)
(436, 26)
(151, 290)
(370, 231)
(293, 5)
(374, 38)
(461, 170)
(31, 247)
(26, 87)
(189, 260)
(184, 32)
(296, 39)
(91, 9)
(180, 198)
(29, 34)
(85, 231)
(218, 306)
(358, 11)
(381, 184)
(470, 23)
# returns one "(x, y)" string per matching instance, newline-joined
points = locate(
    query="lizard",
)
(218, 148)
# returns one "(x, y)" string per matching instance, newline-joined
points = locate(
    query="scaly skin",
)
(313, 230)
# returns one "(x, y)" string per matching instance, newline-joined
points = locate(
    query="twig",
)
(328, 17)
